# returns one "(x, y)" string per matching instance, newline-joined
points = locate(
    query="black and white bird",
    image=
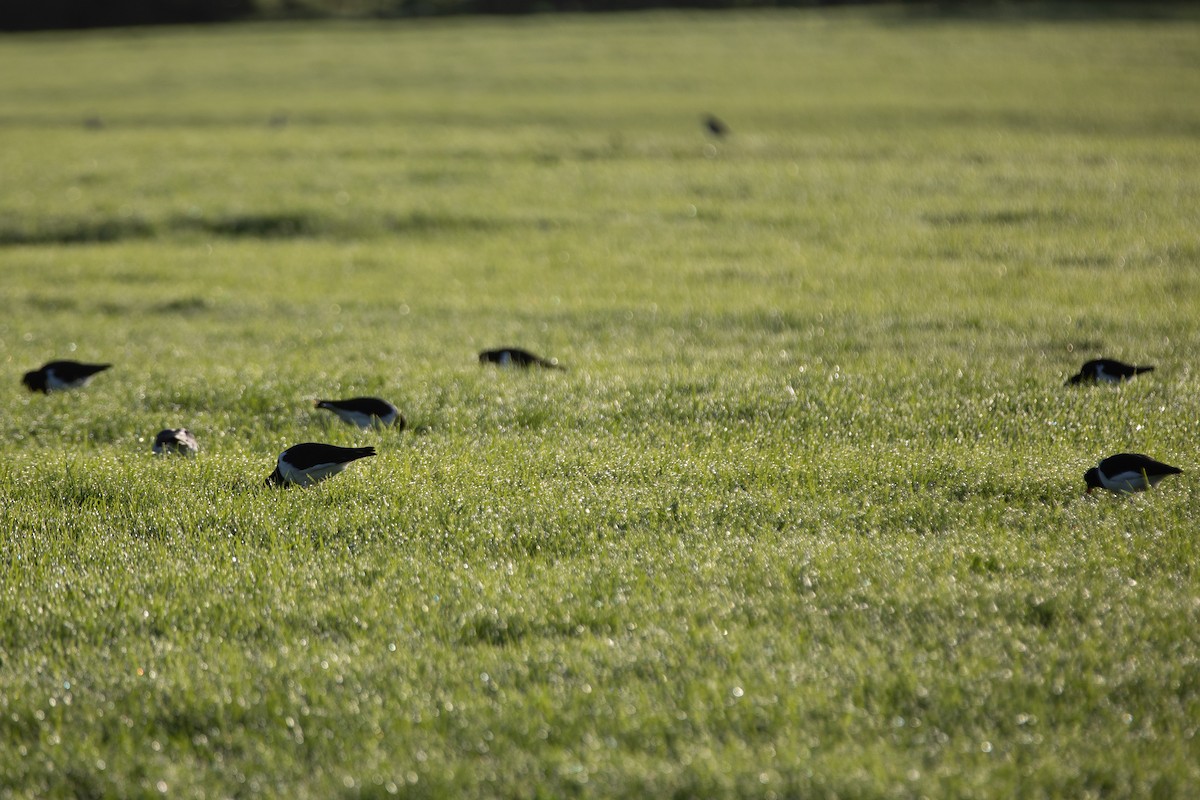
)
(1127, 472)
(175, 441)
(365, 412)
(61, 375)
(516, 357)
(311, 462)
(715, 126)
(1106, 370)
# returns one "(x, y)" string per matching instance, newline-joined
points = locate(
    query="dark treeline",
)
(25, 15)
(44, 14)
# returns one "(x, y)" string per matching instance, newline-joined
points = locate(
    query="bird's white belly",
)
(1128, 481)
(364, 420)
(307, 477)
(55, 383)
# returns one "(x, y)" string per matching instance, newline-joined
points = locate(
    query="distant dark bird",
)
(365, 412)
(715, 126)
(61, 375)
(1127, 472)
(516, 357)
(175, 441)
(1106, 370)
(93, 122)
(309, 463)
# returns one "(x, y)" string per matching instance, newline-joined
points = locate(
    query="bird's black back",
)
(310, 454)
(74, 370)
(517, 357)
(372, 406)
(1136, 462)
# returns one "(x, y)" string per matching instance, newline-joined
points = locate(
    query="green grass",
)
(803, 518)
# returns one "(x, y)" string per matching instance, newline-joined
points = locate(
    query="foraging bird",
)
(516, 357)
(175, 441)
(309, 463)
(365, 412)
(1127, 472)
(1106, 370)
(715, 126)
(61, 375)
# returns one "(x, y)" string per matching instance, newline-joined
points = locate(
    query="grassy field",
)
(803, 518)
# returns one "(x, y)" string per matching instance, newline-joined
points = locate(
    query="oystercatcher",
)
(311, 462)
(61, 375)
(365, 412)
(516, 357)
(1127, 472)
(177, 441)
(715, 126)
(1106, 370)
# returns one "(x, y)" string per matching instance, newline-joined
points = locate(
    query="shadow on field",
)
(423, 222)
(284, 225)
(61, 231)
(183, 306)
(251, 225)
(73, 231)
(1011, 216)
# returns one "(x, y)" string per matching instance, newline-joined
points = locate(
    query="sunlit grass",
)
(803, 517)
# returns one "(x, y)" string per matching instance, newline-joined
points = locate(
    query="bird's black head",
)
(275, 479)
(1092, 479)
(35, 381)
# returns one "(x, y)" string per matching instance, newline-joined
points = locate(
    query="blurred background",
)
(61, 14)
